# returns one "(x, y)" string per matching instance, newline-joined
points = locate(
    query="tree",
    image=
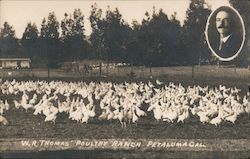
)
(50, 45)
(52, 27)
(7, 31)
(133, 53)
(8, 42)
(243, 7)
(43, 29)
(154, 32)
(177, 48)
(159, 39)
(108, 34)
(31, 32)
(96, 37)
(194, 27)
(116, 32)
(29, 40)
(73, 35)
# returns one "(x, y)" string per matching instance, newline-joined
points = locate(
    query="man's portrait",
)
(225, 33)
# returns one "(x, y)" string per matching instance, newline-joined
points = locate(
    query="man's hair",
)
(231, 13)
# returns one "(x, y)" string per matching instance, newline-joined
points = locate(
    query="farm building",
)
(15, 63)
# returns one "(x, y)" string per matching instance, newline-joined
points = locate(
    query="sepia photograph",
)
(125, 79)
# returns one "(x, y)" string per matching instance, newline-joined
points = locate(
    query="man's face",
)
(223, 23)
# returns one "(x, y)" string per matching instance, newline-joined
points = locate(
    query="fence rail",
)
(133, 72)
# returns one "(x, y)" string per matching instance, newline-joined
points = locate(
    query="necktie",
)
(222, 44)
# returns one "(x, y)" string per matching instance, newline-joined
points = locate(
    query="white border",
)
(244, 35)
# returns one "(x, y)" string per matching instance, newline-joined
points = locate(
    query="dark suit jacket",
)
(230, 48)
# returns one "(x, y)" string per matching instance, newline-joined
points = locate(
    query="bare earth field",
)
(24, 124)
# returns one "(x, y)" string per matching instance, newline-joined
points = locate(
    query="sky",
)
(19, 12)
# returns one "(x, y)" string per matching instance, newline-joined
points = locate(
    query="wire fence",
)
(132, 72)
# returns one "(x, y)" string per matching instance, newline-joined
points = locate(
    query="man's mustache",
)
(222, 27)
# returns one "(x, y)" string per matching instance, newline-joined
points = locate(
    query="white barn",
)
(15, 63)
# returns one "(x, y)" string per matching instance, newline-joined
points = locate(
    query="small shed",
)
(16, 63)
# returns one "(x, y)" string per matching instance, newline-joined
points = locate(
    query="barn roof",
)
(15, 59)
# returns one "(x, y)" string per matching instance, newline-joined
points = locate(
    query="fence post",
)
(192, 71)
(48, 72)
(150, 69)
(143, 71)
(100, 69)
(107, 68)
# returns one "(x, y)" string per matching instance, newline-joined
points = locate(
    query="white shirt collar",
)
(225, 38)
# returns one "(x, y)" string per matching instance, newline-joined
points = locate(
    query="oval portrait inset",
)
(225, 33)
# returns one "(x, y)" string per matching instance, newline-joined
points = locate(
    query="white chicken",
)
(3, 120)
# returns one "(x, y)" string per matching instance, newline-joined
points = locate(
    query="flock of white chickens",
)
(125, 102)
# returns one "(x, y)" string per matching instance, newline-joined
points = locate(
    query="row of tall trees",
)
(48, 46)
(159, 40)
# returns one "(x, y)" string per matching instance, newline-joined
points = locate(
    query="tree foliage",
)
(243, 7)
(96, 37)
(8, 42)
(49, 42)
(114, 33)
(7, 31)
(29, 40)
(73, 36)
(31, 32)
(109, 34)
(194, 27)
(159, 38)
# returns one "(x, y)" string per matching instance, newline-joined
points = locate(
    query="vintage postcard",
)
(124, 79)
